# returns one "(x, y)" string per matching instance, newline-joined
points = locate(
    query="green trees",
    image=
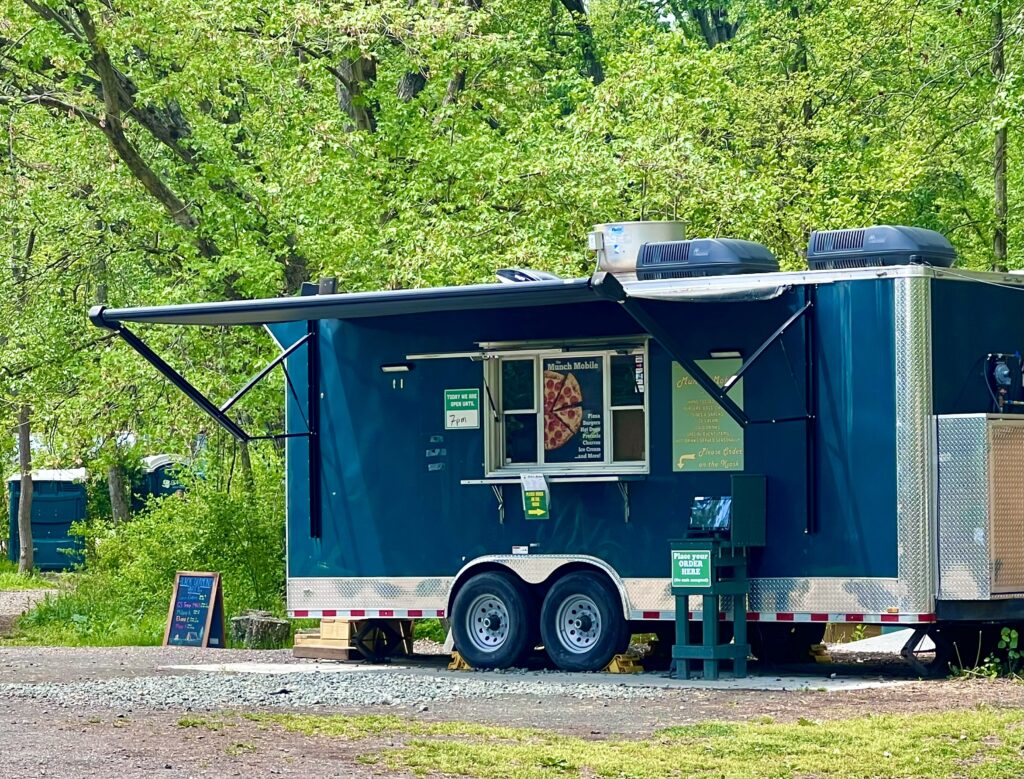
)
(177, 151)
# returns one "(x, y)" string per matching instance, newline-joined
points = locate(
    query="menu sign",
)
(574, 410)
(704, 436)
(196, 614)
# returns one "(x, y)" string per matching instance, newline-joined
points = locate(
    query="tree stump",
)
(260, 630)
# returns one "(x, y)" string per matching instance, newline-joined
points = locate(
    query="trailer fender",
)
(538, 569)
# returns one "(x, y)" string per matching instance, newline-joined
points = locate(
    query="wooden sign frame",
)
(216, 608)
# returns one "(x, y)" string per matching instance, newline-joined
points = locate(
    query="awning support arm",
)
(259, 376)
(217, 414)
(763, 347)
(610, 289)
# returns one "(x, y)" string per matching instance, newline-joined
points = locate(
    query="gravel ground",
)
(115, 713)
(211, 691)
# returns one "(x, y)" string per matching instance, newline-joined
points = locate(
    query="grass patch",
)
(980, 744)
(205, 723)
(10, 579)
(366, 726)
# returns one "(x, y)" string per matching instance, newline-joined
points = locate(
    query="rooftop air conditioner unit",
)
(878, 246)
(703, 257)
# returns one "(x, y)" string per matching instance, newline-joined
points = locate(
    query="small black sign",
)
(196, 614)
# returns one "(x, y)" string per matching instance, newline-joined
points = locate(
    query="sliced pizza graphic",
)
(563, 412)
(553, 382)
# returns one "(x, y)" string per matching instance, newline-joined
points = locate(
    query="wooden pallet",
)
(339, 640)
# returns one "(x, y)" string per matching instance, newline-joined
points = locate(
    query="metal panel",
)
(535, 569)
(814, 594)
(651, 595)
(916, 479)
(963, 508)
(409, 592)
(1006, 490)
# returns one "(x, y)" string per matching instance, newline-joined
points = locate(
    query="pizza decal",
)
(563, 413)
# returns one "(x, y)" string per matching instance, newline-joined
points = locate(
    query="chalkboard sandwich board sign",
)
(196, 613)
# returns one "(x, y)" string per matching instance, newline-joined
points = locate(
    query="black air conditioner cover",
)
(878, 246)
(703, 257)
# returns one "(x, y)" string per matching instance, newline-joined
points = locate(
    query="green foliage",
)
(981, 743)
(430, 629)
(123, 593)
(170, 152)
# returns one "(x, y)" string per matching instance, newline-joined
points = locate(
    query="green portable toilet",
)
(58, 499)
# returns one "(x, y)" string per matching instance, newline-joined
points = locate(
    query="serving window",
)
(558, 411)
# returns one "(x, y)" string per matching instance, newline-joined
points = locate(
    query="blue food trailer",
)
(516, 457)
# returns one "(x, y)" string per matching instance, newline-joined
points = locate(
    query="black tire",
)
(600, 631)
(778, 643)
(502, 623)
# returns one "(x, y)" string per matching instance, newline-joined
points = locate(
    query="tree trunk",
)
(410, 85)
(999, 161)
(246, 461)
(26, 558)
(351, 77)
(118, 488)
(707, 29)
(588, 49)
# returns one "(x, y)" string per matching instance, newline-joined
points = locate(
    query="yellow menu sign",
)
(704, 436)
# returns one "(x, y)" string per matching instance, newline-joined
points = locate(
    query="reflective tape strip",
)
(752, 616)
(369, 613)
(794, 616)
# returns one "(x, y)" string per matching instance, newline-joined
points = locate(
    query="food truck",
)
(516, 457)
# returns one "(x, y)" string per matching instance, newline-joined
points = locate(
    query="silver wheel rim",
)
(579, 624)
(487, 623)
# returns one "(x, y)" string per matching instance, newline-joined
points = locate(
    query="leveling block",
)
(624, 664)
(620, 664)
(346, 640)
(819, 653)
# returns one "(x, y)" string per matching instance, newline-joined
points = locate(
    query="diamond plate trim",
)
(963, 508)
(916, 480)
(535, 569)
(1006, 488)
(397, 592)
(813, 594)
(653, 595)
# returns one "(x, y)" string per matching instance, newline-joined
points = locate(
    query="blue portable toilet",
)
(160, 477)
(58, 499)
(162, 474)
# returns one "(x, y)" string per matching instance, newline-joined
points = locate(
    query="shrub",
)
(122, 594)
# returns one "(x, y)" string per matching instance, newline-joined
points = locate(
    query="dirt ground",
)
(45, 740)
(14, 603)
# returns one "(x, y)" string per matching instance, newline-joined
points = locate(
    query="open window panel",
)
(568, 411)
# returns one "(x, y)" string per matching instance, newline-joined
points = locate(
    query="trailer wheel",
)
(492, 620)
(777, 643)
(581, 622)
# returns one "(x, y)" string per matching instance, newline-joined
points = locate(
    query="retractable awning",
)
(312, 309)
(352, 305)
